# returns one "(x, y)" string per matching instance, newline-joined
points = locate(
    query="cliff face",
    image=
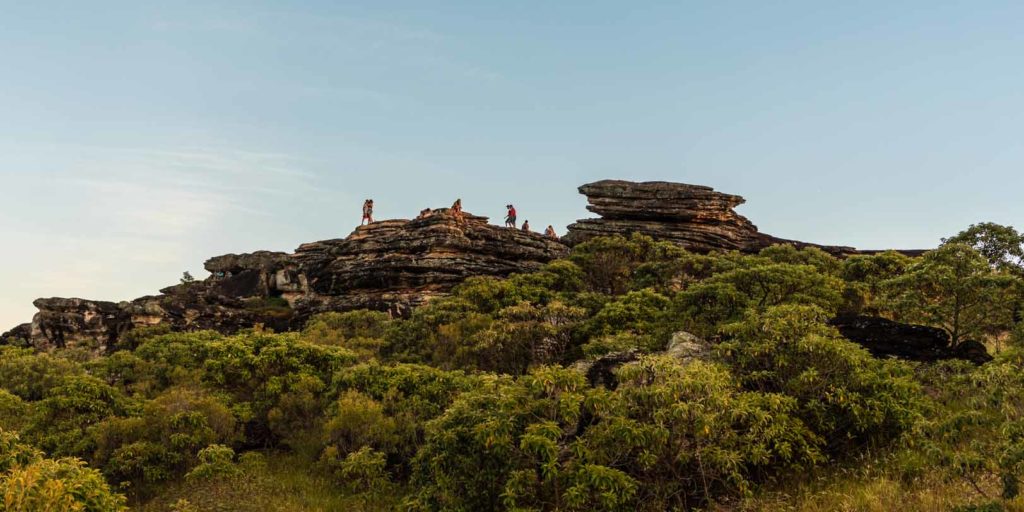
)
(390, 265)
(695, 217)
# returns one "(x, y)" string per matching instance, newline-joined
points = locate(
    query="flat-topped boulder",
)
(696, 217)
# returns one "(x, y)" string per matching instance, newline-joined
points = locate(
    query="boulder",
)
(886, 338)
(698, 218)
(686, 347)
(76, 322)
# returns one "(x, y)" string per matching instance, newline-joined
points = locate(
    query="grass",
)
(283, 483)
(880, 491)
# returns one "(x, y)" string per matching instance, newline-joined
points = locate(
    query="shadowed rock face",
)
(391, 266)
(698, 218)
(885, 338)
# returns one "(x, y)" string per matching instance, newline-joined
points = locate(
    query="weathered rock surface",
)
(600, 371)
(885, 338)
(397, 265)
(698, 218)
(391, 266)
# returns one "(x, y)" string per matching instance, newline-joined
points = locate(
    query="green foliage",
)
(773, 278)
(61, 419)
(362, 332)
(162, 442)
(474, 402)
(687, 433)
(29, 375)
(14, 412)
(1002, 246)
(843, 394)
(609, 264)
(864, 275)
(215, 461)
(30, 482)
(640, 312)
(363, 472)
(953, 287)
(474, 454)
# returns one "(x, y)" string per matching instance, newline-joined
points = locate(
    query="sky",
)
(139, 138)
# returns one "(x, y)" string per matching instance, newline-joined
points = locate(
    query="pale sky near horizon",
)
(139, 138)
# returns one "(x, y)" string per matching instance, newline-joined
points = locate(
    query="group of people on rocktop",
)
(456, 211)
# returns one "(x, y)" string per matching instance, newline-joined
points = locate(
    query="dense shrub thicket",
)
(479, 401)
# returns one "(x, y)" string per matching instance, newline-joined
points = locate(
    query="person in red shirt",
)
(510, 219)
(367, 212)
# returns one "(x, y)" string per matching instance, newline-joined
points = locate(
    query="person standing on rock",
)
(510, 219)
(526, 226)
(550, 232)
(457, 211)
(368, 212)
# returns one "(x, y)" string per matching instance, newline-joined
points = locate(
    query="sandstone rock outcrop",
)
(697, 218)
(391, 265)
(396, 265)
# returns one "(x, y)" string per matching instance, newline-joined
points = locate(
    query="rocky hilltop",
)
(395, 265)
(698, 218)
(391, 265)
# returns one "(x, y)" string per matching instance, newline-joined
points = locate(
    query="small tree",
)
(1002, 246)
(954, 287)
(186, 278)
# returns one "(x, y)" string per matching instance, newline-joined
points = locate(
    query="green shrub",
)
(843, 394)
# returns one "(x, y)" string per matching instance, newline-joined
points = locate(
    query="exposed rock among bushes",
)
(600, 371)
(883, 338)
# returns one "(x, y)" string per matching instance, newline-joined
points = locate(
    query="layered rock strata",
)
(697, 218)
(391, 265)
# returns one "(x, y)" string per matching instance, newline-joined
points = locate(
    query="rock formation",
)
(396, 265)
(390, 265)
(885, 338)
(698, 218)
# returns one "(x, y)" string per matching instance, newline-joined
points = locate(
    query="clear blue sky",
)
(137, 138)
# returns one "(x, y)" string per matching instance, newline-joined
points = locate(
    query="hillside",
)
(395, 265)
(668, 357)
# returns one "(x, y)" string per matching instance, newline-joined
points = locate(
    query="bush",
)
(843, 394)
(30, 482)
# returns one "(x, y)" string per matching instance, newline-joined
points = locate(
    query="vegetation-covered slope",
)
(481, 400)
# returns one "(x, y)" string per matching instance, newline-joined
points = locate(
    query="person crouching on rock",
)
(510, 219)
(550, 232)
(526, 226)
(367, 212)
